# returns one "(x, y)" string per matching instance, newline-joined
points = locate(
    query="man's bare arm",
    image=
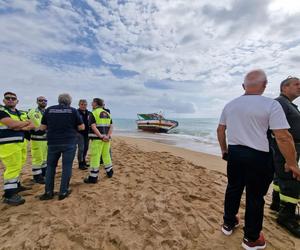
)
(222, 138)
(13, 124)
(287, 147)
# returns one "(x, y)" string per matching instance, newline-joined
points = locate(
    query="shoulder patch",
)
(103, 114)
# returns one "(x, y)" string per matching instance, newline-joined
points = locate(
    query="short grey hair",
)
(255, 77)
(65, 99)
(287, 81)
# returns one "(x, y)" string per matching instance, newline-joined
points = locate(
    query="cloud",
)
(182, 56)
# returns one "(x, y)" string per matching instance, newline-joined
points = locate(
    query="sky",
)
(186, 58)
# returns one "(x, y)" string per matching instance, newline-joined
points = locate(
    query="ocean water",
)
(198, 134)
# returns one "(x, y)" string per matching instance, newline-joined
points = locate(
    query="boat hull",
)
(157, 126)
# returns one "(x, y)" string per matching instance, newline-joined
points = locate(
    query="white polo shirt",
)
(247, 119)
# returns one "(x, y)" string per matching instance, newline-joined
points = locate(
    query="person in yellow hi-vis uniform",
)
(38, 142)
(11, 147)
(100, 135)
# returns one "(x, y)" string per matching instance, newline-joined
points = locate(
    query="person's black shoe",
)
(110, 173)
(82, 167)
(14, 200)
(90, 180)
(64, 195)
(39, 179)
(46, 196)
(290, 224)
(22, 188)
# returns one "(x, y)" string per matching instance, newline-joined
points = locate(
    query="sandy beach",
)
(161, 197)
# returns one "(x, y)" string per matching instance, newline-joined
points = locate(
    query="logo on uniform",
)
(103, 114)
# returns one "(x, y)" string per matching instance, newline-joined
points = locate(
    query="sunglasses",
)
(10, 98)
(42, 100)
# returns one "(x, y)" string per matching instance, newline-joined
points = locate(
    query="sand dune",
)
(156, 200)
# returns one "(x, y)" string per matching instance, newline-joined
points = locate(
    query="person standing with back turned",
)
(247, 120)
(62, 122)
(100, 134)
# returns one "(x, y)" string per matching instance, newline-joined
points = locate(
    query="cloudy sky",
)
(186, 58)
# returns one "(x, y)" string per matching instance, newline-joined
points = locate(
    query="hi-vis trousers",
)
(13, 157)
(39, 156)
(99, 148)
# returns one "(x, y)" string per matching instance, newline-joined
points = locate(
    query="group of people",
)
(258, 137)
(52, 132)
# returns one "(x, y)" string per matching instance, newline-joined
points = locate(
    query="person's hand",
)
(106, 138)
(225, 155)
(295, 170)
(28, 127)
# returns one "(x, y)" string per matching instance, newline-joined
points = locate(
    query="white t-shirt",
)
(247, 119)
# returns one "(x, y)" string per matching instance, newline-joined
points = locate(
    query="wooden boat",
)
(155, 123)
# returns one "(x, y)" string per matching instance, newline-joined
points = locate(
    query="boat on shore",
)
(155, 123)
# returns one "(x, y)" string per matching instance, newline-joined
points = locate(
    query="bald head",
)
(255, 82)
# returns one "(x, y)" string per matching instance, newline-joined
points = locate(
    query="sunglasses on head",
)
(13, 98)
(42, 100)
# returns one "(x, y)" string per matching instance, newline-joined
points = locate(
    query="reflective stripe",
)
(108, 169)
(10, 186)
(94, 172)
(36, 171)
(276, 188)
(94, 175)
(102, 125)
(12, 139)
(38, 137)
(93, 135)
(11, 180)
(3, 127)
(288, 199)
(94, 169)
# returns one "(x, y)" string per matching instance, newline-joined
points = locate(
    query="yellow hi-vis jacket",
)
(8, 135)
(103, 123)
(36, 115)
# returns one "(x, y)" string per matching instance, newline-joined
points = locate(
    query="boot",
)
(39, 179)
(287, 218)
(275, 205)
(91, 180)
(14, 200)
(82, 166)
(46, 196)
(110, 173)
(64, 195)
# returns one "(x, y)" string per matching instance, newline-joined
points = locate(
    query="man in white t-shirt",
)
(246, 120)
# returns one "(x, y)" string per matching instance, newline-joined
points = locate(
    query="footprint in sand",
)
(192, 226)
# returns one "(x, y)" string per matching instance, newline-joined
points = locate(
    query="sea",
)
(197, 134)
